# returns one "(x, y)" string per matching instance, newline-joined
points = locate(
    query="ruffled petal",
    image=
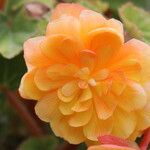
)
(97, 127)
(66, 25)
(106, 42)
(80, 118)
(43, 82)
(33, 54)
(72, 134)
(133, 97)
(124, 123)
(28, 88)
(67, 9)
(47, 107)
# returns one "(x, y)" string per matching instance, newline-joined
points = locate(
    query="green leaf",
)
(11, 71)
(42, 143)
(16, 27)
(136, 21)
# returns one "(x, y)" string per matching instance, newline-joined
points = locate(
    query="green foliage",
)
(43, 143)
(16, 26)
(136, 21)
(11, 71)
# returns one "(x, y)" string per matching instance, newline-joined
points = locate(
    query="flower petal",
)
(133, 97)
(28, 88)
(90, 20)
(82, 106)
(72, 134)
(124, 123)
(88, 59)
(105, 106)
(66, 25)
(97, 127)
(33, 54)
(80, 118)
(106, 42)
(67, 9)
(47, 106)
(43, 82)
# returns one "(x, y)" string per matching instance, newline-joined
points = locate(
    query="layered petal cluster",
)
(87, 81)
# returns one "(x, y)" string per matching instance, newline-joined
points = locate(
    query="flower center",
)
(85, 77)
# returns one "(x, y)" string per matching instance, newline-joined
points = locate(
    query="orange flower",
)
(86, 80)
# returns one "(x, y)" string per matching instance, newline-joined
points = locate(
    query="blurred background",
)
(20, 128)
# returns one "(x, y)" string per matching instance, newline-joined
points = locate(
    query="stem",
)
(23, 112)
(145, 140)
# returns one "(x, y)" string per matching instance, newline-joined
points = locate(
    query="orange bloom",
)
(86, 80)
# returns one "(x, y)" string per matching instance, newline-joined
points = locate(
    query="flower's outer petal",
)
(28, 88)
(66, 25)
(97, 127)
(136, 50)
(105, 106)
(33, 54)
(80, 118)
(144, 118)
(72, 134)
(133, 97)
(109, 147)
(115, 24)
(124, 123)
(90, 20)
(67, 9)
(106, 42)
(43, 82)
(47, 106)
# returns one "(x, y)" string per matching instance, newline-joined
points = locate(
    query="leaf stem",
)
(32, 125)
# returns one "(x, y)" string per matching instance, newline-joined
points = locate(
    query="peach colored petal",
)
(66, 25)
(62, 49)
(88, 59)
(144, 117)
(105, 106)
(115, 24)
(106, 42)
(74, 135)
(80, 118)
(124, 123)
(133, 97)
(86, 94)
(82, 106)
(97, 127)
(32, 53)
(28, 88)
(43, 82)
(47, 106)
(90, 20)
(67, 9)
(109, 147)
(66, 108)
